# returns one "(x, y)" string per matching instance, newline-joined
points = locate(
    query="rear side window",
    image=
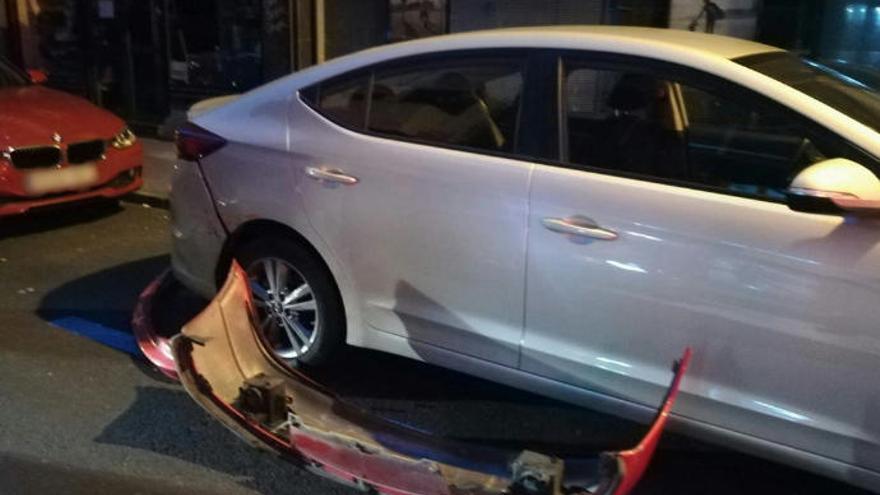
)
(472, 105)
(460, 102)
(342, 100)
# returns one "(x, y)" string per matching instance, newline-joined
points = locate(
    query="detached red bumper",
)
(156, 348)
(225, 368)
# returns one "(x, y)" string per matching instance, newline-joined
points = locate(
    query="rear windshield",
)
(10, 76)
(855, 96)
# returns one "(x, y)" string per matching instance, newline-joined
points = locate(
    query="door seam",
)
(525, 275)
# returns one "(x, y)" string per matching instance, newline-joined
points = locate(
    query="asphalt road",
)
(81, 413)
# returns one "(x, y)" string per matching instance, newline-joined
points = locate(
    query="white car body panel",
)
(764, 294)
(196, 230)
(203, 106)
(436, 255)
(782, 316)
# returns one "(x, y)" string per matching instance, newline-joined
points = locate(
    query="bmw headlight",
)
(124, 139)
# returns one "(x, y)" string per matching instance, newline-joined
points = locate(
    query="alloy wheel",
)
(286, 307)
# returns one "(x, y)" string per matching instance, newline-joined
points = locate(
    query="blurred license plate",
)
(61, 179)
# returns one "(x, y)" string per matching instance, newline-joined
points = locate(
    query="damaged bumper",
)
(155, 347)
(225, 368)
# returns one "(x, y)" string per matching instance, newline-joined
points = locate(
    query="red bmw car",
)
(57, 148)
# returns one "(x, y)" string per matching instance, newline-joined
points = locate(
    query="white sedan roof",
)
(708, 53)
(700, 50)
(722, 46)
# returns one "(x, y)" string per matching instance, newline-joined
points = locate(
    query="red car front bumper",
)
(118, 174)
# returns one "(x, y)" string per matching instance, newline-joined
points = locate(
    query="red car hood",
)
(30, 115)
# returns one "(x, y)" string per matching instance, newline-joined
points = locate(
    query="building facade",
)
(148, 60)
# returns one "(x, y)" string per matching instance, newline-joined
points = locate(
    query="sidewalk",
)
(159, 159)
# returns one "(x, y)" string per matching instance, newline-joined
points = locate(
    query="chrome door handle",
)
(330, 175)
(579, 226)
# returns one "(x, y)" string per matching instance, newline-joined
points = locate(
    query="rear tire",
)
(301, 317)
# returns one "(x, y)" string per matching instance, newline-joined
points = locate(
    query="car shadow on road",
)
(100, 305)
(455, 405)
(730, 473)
(51, 218)
(35, 475)
(166, 421)
(106, 297)
(462, 407)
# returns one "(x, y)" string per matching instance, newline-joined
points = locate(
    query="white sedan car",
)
(564, 210)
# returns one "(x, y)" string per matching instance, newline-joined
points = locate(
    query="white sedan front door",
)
(627, 267)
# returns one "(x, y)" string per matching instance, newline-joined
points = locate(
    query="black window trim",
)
(686, 75)
(311, 95)
(538, 123)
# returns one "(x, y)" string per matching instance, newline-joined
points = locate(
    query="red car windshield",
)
(10, 76)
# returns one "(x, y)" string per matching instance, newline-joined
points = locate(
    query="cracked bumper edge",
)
(156, 348)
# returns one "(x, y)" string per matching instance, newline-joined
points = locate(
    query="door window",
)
(734, 145)
(633, 122)
(621, 121)
(471, 105)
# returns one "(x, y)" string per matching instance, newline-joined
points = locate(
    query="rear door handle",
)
(331, 175)
(579, 226)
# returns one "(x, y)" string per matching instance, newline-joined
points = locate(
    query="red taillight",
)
(194, 143)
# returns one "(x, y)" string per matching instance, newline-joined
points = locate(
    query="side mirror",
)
(837, 186)
(37, 76)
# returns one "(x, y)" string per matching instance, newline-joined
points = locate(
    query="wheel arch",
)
(259, 229)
